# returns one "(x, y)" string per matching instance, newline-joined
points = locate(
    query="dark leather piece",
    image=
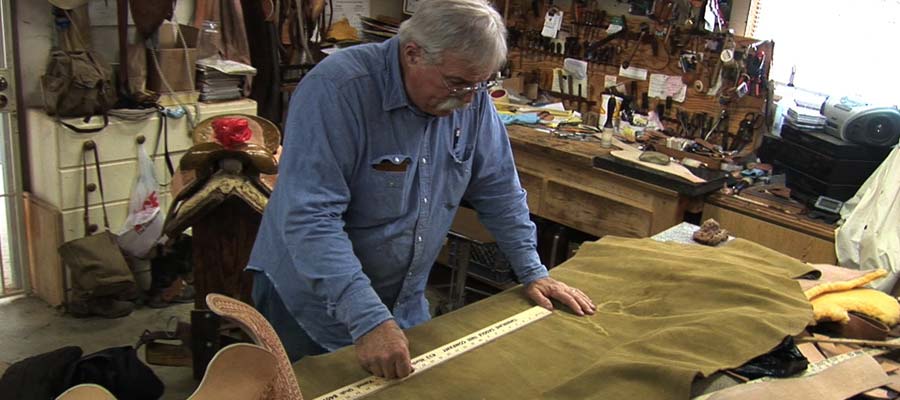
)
(148, 15)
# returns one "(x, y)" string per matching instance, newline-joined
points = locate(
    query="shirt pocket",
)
(384, 192)
(463, 153)
(459, 175)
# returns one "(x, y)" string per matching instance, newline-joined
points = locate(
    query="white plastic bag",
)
(143, 227)
(870, 235)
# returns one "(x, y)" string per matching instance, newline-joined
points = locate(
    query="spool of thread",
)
(531, 91)
(499, 94)
(606, 138)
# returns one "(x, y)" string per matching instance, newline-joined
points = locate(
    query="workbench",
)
(564, 186)
(795, 235)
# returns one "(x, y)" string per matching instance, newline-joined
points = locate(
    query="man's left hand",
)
(542, 290)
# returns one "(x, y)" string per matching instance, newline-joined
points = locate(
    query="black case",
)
(819, 164)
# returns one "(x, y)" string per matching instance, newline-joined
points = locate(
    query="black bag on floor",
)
(39, 377)
(119, 370)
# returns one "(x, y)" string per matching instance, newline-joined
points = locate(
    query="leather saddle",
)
(251, 159)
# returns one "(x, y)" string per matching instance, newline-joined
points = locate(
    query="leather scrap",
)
(844, 380)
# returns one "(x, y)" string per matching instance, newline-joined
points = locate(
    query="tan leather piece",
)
(677, 170)
(86, 391)
(285, 385)
(240, 371)
(835, 279)
(844, 380)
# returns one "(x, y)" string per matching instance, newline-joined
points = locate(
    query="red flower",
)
(232, 131)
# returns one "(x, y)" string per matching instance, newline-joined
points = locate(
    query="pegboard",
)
(659, 50)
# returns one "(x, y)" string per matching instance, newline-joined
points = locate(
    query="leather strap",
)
(164, 129)
(86, 119)
(91, 146)
(122, 25)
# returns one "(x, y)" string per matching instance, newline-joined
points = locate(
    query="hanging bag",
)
(95, 261)
(77, 84)
(143, 226)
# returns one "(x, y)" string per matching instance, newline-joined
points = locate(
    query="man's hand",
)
(384, 351)
(542, 290)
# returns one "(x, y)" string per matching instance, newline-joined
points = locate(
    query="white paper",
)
(633, 73)
(576, 67)
(552, 23)
(609, 81)
(226, 66)
(554, 107)
(663, 86)
(409, 6)
(351, 9)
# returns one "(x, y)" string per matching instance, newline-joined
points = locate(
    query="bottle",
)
(210, 40)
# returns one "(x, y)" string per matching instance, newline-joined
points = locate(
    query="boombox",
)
(861, 123)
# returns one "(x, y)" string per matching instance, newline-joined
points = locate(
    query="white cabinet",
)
(55, 162)
(55, 159)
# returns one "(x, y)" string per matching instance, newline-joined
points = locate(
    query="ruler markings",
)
(372, 384)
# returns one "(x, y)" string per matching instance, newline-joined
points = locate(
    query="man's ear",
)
(412, 53)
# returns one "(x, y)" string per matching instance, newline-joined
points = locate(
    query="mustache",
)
(451, 103)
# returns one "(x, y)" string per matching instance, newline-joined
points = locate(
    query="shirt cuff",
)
(532, 274)
(361, 311)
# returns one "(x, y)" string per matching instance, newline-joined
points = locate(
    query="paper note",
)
(663, 86)
(633, 73)
(409, 6)
(351, 9)
(552, 23)
(609, 81)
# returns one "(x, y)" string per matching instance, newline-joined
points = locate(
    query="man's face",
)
(438, 89)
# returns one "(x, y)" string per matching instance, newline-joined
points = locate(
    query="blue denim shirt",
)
(367, 189)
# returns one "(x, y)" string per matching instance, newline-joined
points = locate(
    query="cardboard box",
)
(176, 63)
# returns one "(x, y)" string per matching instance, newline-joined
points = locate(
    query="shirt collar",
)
(395, 92)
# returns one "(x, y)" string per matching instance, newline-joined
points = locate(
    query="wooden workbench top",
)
(574, 151)
(800, 223)
(581, 154)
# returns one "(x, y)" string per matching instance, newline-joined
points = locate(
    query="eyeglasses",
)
(465, 90)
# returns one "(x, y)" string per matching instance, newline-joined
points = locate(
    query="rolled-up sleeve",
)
(499, 198)
(312, 195)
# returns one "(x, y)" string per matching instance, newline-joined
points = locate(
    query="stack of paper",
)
(379, 29)
(215, 85)
(804, 118)
(220, 80)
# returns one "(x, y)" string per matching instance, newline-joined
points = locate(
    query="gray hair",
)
(469, 28)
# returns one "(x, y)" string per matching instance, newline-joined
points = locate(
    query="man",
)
(381, 144)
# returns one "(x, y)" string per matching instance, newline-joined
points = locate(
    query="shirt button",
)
(424, 160)
(409, 274)
(425, 200)
(397, 160)
(419, 239)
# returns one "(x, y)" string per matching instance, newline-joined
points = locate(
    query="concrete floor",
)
(28, 326)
